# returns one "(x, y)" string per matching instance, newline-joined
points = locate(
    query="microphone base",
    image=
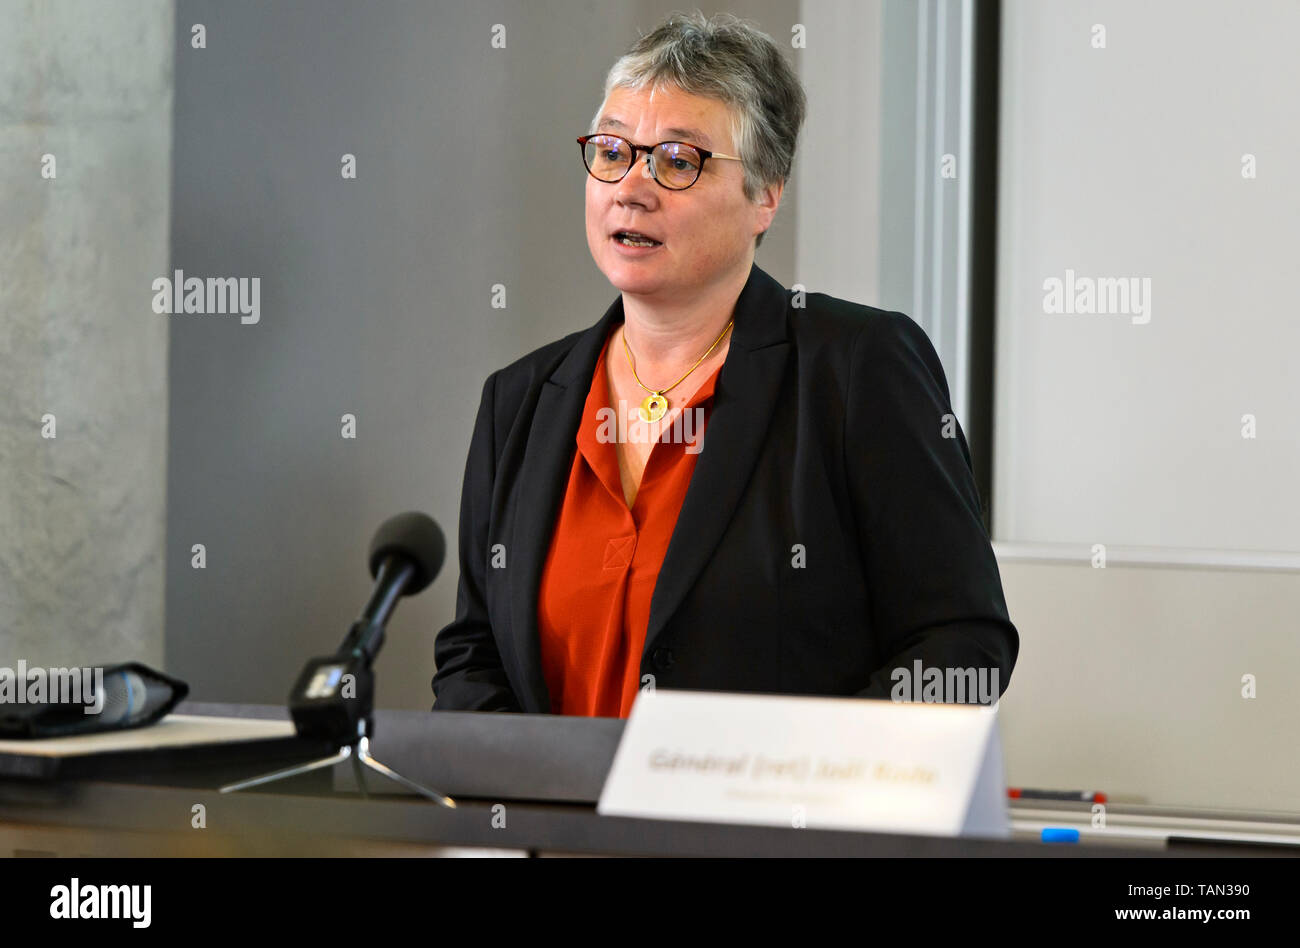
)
(359, 753)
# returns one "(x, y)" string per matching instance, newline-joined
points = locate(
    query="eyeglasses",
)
(675, 165)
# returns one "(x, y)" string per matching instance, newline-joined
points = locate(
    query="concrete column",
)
(85, 179)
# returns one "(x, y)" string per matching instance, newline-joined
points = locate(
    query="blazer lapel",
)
(542, 477)
(746, 393)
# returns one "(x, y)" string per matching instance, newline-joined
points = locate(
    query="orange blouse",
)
(594, 600)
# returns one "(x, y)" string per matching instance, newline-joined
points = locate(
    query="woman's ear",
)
(765, 207)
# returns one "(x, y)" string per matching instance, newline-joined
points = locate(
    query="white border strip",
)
(1087, 833)
(965, 172)
(1162, 557)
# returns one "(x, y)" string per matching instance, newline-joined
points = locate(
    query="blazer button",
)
(663, 658)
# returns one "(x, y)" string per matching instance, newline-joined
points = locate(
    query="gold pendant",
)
(652, 408)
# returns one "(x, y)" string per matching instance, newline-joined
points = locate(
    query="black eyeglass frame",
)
(704, 154)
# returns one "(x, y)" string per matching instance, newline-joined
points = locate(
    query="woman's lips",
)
(631, 251)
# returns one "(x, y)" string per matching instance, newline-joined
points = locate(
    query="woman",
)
(823, 537)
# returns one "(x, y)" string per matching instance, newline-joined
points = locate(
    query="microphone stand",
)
(333, 698)
(359, 752)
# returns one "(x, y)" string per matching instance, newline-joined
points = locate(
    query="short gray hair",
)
(728, 59)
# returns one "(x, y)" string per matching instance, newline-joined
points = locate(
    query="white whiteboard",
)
(1127, 162)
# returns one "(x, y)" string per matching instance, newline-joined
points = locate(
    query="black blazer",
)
(830, 533)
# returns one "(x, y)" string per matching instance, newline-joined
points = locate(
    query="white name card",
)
(819, 763)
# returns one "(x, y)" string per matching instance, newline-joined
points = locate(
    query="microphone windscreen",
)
(126, 696)
(416, 537)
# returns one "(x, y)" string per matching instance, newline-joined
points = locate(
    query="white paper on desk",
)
(819, 763)
(175, 730)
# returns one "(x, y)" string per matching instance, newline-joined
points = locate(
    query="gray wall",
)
(1129, 681)
(375, 296)
(82, 513)
(837, 233)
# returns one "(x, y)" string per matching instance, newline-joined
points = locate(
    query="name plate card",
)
(818, 763)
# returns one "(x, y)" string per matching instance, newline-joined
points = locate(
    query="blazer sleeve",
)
(935, 591)
(469, 674)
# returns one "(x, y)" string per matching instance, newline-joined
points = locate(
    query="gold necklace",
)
(654, 405)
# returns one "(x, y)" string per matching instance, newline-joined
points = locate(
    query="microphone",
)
(125, 698)
(334, 694)
(405, 555)
(333, 698)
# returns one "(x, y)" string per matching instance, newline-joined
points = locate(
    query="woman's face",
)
(706, 232)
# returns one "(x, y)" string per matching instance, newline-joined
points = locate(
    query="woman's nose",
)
(638, 185)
